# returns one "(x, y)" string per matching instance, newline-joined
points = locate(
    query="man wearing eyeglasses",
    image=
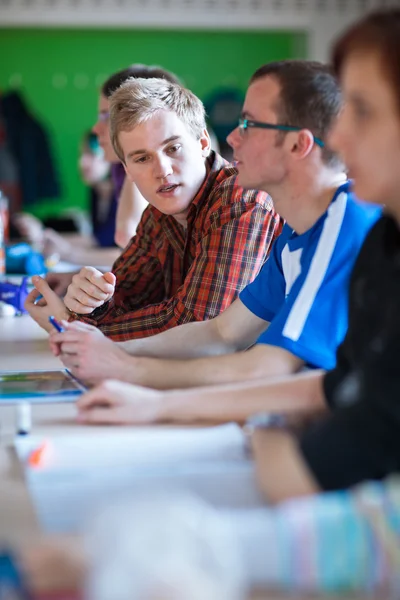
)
(295, 312)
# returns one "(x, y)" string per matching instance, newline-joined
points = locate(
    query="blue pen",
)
(56, 324)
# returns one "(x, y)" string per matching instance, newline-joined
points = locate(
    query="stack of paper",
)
(70, 475)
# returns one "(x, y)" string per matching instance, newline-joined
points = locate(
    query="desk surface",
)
(23, 345)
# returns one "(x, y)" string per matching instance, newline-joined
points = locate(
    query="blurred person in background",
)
(95, 173)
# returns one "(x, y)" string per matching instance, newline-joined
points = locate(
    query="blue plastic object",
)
(22, 259)
(14, 294)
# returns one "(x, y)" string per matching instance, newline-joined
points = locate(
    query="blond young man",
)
(201, 239)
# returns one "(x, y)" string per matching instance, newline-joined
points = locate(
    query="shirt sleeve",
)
(266, 294)
(228, 256)
(360, 439)
(305, 325)
(345, 541)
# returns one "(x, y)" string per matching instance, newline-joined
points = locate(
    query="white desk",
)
(23, 345)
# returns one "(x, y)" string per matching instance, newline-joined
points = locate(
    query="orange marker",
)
(37, 456)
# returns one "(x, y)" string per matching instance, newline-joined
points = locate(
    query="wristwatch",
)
(262, 421)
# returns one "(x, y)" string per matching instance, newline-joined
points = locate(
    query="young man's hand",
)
(88, 354)
(120, 403)
(59, 282)
(49, 305)
(89, 289)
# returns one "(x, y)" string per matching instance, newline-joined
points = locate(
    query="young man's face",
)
(166, 162)
(102, 130)
(260, 153)
(367, 132)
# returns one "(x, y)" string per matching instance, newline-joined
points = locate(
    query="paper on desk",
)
(85, 470)
(140, 446)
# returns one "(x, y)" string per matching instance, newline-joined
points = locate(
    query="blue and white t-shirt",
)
(302, 289)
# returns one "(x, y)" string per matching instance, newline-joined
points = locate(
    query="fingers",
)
(54, 347)
(51, 304)
(104, 395)
(66, 343)
(100, 416)
(38, 312)
(96, 280)
(88, 290)
(74, 340)
(71, 362)
(33, 296)
(44, 289)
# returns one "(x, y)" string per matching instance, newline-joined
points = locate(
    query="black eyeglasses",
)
(247, 123)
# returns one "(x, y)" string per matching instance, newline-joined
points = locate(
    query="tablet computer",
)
(39, 386)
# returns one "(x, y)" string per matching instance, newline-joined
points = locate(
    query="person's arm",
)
(281, 471)
(119, 402)
(259, 362)
(93, 357)
(213, 280)
(82, 250)
(235, 329)
(131, 205)
(237, 401)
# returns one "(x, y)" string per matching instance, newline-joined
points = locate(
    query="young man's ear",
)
(205, 143)
(303, 144)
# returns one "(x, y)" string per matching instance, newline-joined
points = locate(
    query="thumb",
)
(110, 277)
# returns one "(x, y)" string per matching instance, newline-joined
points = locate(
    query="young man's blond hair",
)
(137, 100)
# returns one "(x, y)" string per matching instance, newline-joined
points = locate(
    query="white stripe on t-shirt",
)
(302, 305)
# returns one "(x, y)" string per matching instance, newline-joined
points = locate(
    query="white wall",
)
(322, 19)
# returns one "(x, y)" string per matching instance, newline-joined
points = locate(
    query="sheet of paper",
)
(77, 473)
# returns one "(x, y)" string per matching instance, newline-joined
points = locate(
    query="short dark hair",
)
(310, 97)
(136, 70)
(378, 32)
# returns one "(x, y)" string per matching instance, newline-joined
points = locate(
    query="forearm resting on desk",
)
(236, 402)
(259, 362)
(234, 329)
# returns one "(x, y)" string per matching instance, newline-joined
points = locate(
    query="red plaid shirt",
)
(169, 275)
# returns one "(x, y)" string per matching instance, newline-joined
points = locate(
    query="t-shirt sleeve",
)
(312, 321)
(265, 295)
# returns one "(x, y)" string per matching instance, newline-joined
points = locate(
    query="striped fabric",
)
(168, 276)
(337, 542)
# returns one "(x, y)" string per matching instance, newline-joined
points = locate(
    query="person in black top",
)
(358, 437)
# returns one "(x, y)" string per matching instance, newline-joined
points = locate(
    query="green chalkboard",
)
(60, 71)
